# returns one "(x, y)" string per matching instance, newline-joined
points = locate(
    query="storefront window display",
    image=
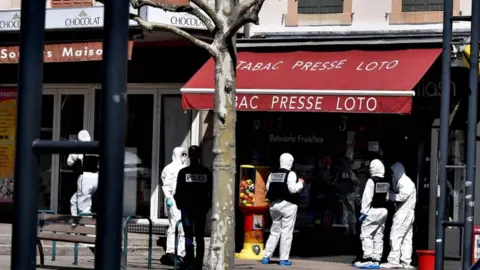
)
(332, 153)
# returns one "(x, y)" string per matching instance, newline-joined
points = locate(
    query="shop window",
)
(71, 3)
(419, 11)
(138, 150)
(319, 12)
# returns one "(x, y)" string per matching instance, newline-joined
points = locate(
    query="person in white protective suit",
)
(283, 191)
(373, 216)
(87, 182)
(169, 181)
(403, 194)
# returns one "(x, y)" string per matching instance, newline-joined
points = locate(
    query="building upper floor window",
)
(319, 12)
(71, 3)
(320, 6)
(419, 11)
(422, 5)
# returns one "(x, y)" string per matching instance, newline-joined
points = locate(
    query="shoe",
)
(407, 266)
(391, 265)
(285, 262)
(367, 265)
(167, 259)
(265, 260)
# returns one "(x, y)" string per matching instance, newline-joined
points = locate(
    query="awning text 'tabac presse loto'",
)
(348, 81)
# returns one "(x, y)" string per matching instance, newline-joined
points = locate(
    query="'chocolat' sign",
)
(13, 23)
(82, 20)
(64, 52)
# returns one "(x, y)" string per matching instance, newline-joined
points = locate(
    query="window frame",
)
(397, 16)
(293, 18)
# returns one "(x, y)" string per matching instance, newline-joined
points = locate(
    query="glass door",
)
(45, 160)
(138, 151)
(175, 125)
(72, 108)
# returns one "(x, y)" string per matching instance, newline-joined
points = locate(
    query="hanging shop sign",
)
(62, 52)
(59, 18)
(178, 19)
(467, 53)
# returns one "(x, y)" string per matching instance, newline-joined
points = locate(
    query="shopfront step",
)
(66, 249)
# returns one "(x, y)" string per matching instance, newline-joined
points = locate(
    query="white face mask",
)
(183, 159)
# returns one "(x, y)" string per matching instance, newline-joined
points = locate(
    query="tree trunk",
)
(222, 241)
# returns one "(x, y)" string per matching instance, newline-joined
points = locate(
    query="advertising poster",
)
(8, 110)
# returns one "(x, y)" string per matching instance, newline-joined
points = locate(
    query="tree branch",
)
(150, 26)
(209, 23)
(209, 11)
(247, 4)
(245, 16)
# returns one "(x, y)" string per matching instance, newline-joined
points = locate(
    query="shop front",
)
(285, 103)
(156, 120)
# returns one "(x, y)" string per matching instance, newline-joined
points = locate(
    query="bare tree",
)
(223, 22)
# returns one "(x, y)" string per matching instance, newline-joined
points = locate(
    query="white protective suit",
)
(374, 224)
(87, 182)
(169, 181)
(283, 214)
(402, 227)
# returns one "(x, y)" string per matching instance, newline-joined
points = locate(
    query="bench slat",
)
(83, 239)
(53, 218)
(67, 228)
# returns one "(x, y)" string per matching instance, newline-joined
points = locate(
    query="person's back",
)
(195, 190)
(373, 216)
(282, 187)
(403, 194)
(193, 196)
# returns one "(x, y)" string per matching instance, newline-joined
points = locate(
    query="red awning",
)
(349, 81)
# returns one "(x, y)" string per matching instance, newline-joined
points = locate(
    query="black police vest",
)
(380, 190)
(90, 163)
(278, 189)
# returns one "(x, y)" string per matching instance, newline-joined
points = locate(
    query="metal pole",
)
(471, 139)
(29, 109)
(112, 135)
(443, 144)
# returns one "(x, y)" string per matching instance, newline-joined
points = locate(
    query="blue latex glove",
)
(362, 217)
(169, 202)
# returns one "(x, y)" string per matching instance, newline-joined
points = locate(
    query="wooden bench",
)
(64, 228)
(79, 230)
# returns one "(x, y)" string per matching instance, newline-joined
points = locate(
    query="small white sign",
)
(373, 146)
(277, 177)
(382, 187)
(196, 178)
(257, 222)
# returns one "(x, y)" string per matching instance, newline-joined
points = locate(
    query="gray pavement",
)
(136, 263)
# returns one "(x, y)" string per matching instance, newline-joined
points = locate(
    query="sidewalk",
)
(137, 263)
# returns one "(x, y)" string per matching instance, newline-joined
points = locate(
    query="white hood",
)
(286, 161)
(398, 172)
(84, 136)
(376, 168)
(179, 156)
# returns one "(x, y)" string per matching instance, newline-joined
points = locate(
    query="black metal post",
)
(29, 108)
(443, 144)
(112, 135)
(471, 139)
